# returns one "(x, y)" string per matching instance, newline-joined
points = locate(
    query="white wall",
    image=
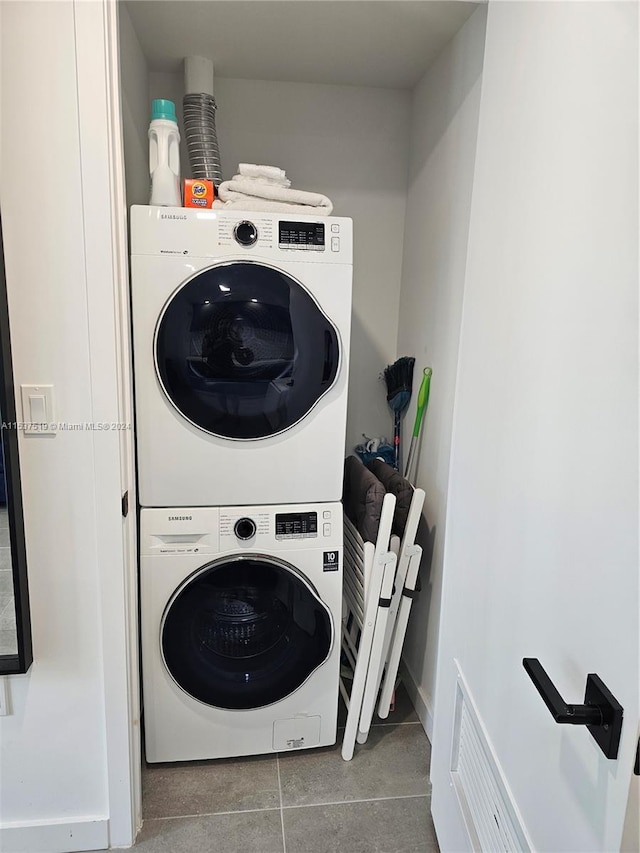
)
(350, 143)
(136, 110)
(443, 144)
(64, 785)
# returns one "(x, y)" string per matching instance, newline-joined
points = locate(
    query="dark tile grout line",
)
(365, 800)
(284, 840)
(298, 806)
(210, 814)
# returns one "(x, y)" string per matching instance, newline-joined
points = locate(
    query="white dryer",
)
(241, 619)
(241, 329)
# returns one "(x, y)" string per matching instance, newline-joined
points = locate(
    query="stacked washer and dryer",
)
(241, 327)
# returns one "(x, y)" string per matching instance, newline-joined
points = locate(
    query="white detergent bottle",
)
(164, 155)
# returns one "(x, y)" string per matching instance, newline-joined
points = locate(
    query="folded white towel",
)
(272, 173)
(235, 190)
(281, 182)
(253, 203)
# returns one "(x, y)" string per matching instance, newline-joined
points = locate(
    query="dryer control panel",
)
(186, 233)
(301, 235)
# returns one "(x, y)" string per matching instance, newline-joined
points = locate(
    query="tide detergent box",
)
(198, 193)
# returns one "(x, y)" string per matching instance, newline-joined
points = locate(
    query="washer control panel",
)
(296, 525)
(204, 531)
(260, 528)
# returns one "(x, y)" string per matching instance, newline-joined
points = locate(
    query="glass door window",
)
(243, 351)
(16, 653)
(244, 633)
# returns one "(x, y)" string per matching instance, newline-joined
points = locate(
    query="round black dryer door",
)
(243, 351)
(245, 632)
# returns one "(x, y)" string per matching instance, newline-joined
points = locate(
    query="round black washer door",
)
(244, 632)
(243, 351)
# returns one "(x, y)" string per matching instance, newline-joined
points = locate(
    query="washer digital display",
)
(301, 235)
(296, 525)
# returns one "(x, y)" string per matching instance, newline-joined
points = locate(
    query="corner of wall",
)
(421, 702)
(134, 80)
(446, 105)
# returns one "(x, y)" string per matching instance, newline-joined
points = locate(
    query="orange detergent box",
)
(198, 193)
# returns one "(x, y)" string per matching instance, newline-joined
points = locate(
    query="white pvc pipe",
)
(198, 75)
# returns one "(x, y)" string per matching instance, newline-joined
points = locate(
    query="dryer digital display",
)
(296, 525)
(301, 235)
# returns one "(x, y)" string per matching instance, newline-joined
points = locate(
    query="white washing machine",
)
(241, 619)
(241, 328)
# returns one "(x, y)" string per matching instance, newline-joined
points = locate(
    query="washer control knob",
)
(245, 233)
(245, 528)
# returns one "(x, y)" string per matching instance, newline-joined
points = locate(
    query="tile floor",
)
(303, 802)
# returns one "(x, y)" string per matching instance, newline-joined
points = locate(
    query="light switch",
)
(37, 409)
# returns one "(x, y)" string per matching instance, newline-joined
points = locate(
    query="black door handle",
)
(561, 711)
(601, 712)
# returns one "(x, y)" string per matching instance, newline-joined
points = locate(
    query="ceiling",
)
(385, 43)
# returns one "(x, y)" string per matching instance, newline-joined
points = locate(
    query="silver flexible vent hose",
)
(199, 116)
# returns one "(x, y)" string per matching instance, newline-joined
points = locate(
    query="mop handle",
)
(396, 441)
(423, 399)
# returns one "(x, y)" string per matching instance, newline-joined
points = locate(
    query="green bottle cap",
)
(163, 110)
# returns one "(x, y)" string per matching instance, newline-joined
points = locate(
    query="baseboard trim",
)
(55, 836)
(419, 699)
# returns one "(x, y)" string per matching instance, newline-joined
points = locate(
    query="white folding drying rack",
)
(380, 581)
(369, 570)
(410, 554)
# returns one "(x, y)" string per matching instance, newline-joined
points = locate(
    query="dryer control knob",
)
(245, 528)
(245, 233)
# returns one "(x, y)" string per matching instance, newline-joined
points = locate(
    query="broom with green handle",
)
(423, 399)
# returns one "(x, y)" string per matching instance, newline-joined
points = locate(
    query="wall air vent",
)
(492, 819)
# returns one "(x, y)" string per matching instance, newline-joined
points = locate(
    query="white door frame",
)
(104, 215)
